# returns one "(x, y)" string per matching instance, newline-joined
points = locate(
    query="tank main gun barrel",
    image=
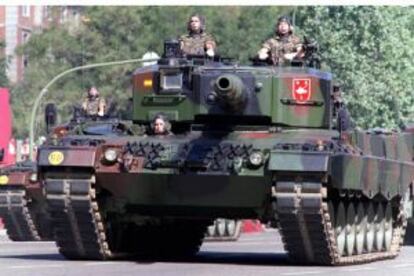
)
(230, 92)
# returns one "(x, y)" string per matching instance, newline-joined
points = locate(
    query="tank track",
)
(80, 230)
(78, 227)
(409, 237)
(306, 224)
(17, 218)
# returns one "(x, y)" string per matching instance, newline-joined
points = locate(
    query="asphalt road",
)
(253, 254)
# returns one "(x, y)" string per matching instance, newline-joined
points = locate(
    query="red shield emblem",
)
(301, 90)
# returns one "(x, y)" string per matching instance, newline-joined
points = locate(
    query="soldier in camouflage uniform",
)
(197, 41)
(284, 46)
(94, 104)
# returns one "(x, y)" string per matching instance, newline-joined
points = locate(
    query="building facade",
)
(18, 23)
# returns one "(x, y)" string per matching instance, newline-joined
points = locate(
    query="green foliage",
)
(370, 51)
(4, 81)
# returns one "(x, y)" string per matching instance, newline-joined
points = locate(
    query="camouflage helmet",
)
(284, 18)
(202, 22)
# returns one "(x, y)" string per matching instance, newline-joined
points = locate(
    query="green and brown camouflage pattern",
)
(195, 44)
(279, 46)
(225, 118)
(23, 204)
(290, 151)
(270, 94)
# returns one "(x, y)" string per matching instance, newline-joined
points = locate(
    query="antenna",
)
(294, 17)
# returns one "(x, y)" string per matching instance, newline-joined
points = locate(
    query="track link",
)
(308, 231)
(78, 227)
(16, 216)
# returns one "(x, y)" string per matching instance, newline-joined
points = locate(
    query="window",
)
(25, 61)
(47, 13)
(64, 15)
(26, 11)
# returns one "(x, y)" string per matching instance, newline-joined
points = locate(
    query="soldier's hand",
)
(290, 56)
(263, 55)
(210, 52)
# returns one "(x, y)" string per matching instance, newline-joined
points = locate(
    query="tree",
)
(370, 53)
(4, 81)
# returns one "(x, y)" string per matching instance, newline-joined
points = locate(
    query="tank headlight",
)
(110, 155)
(33, 177)
(171, 82)
(256, 158)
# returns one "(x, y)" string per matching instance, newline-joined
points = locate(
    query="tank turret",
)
(199, 91)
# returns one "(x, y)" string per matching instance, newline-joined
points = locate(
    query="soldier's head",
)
(196, 23)
(93, 92)
(284, 25)
(160, 124)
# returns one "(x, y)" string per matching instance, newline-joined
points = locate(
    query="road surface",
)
(254, 254)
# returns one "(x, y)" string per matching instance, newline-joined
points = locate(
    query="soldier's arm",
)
(263, 53)
(85, 104)
(181, 41)
(298, 49)
(210, 43)
(300, 52)
(102, 107)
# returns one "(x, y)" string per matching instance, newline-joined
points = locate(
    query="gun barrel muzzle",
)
(230, 92)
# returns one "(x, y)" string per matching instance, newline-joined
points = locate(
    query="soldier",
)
(340, 114)
(160, 125)
(284, 46)
(197, 41)
(94, 104)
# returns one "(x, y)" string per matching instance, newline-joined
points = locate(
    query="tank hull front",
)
(206, 195)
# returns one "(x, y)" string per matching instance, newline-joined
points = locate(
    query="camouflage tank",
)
(250, 142)
(22, 199)
(22, 203)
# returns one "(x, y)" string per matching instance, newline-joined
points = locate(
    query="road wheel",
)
(388, 227)
(360, 229)
(230, 227)
(350, 229)
(340, 228)
(221, 227)
(380, 228)
(211, 230)
(370, 228)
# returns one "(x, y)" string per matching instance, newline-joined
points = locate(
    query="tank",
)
(22, 199)
(249, 142)
(22, 203)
